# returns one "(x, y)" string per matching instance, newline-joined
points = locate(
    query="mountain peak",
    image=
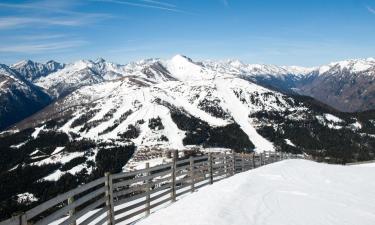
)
(180, 57)
(23, 63)
(100, 60)
(235, 63)
(52, 62)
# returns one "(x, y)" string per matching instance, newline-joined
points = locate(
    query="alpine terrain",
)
(108, 117)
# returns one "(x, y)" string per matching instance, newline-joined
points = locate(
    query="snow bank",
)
(291, 192)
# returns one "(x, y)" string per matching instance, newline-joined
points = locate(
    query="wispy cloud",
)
(45, 12)
(370, 9)
(15, 22)
(33, 48)
(39, 37)
(146, 4)
(160, 3)
(47, 7)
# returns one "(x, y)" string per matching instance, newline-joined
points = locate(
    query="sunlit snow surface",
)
(144, 102)
(291, 192)
(202, 90)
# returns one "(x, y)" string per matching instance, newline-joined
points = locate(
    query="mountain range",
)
(82, 119)
(347, 86)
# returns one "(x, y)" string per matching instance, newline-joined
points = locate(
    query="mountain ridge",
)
(346, 85)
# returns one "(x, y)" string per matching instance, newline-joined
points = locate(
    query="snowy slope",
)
(238, 111)
(140, 99)
(291, 192)
(184, 69)
(111, 100)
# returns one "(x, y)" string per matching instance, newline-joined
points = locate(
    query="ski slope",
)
(291, 192)
(240, 114)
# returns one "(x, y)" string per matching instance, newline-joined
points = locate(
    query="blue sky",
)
(281, 32)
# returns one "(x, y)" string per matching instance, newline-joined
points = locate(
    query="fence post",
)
(254, 166)
(109, 199)
(148, 187)
(23, 219)
(242, 163)
(270, 157)
(72, 211)
(192, 179)
(174, 165)
(226, 165)
(234, 162)
(210, 167)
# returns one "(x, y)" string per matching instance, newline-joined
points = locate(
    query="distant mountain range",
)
(347, 85)
(71, 123)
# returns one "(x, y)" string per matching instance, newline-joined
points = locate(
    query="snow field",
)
(290, 192)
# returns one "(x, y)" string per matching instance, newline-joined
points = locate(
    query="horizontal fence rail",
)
(127, 197)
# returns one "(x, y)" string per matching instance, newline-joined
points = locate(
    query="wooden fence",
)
(128, 196)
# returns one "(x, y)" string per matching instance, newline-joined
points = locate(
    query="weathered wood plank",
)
(183, 167)
(133, 173)
(15, 220)
(141, 195)
(139, 179)
(63, 211)
(200, 157)
(60, 198)
(179, 162)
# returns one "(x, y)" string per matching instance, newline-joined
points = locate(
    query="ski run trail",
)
(240, 114)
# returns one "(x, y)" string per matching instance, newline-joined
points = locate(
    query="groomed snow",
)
(332, 118)
(240, 114)
(291, 192)
(289, 142)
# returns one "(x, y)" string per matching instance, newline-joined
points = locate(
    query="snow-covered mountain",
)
(33, 70)
(346, 85)
(87, 72)
(18, 97)
(174, 103)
